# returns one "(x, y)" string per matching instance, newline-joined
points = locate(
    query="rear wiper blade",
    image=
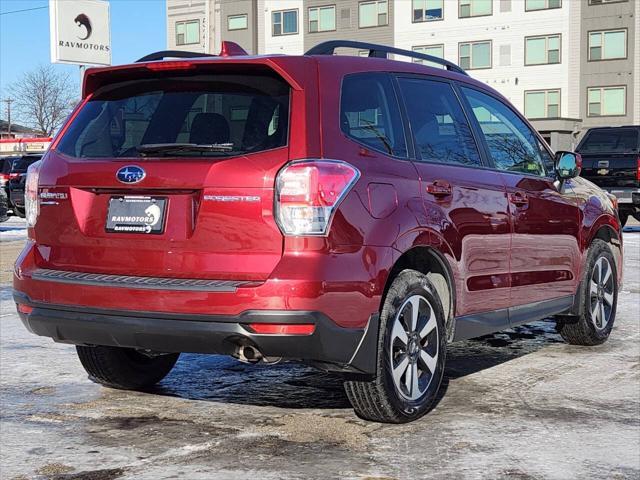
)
(150, 148)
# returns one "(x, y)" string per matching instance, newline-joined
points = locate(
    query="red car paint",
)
(507, 239)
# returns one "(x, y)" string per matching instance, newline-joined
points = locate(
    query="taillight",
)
(308, 193)
(4, 178)
(13, 175)
(638, 170)
(31, 203)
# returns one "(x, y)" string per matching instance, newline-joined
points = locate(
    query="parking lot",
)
(519, 404)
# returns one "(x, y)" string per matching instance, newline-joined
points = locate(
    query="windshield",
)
(611, 141)
(214, 115)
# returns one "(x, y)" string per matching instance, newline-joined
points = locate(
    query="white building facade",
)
(566, 64)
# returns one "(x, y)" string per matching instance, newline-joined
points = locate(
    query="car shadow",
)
(292, 385)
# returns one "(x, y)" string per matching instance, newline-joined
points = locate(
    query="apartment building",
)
(567, 64)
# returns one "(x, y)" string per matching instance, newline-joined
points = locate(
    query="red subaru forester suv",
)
(355, 214)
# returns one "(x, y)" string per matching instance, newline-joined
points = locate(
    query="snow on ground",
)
(520, 404)
(14, 229)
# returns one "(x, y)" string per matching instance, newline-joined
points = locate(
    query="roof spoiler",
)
(228, 49)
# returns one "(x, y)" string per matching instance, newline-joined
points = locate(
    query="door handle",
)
(439, 188)
(519, 199)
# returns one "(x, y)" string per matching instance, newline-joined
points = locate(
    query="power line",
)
(23, 10)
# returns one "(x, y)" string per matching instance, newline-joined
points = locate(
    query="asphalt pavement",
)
(520, 404)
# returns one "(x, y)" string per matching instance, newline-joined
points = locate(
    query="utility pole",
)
(8, 101)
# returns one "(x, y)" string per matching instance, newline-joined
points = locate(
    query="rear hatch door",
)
(610, 157)
(169, 175)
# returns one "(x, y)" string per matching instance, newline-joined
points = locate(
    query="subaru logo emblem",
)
(130, 174)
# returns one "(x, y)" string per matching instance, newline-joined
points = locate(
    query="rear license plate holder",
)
(136, 214)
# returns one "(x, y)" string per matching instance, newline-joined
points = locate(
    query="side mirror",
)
(567, 165)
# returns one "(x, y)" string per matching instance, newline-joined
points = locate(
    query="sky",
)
(138, 27)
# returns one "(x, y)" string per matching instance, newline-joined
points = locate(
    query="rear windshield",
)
(245, 113)
(611, 141)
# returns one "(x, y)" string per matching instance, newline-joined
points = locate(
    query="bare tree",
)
(43, 98)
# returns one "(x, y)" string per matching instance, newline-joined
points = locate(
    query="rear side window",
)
(247, 113)
(369, 113)
(6, 165)
(439, 126)
(511, 143)
(21, 164)
(611, 141)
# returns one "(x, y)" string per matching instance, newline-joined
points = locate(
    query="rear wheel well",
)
(431, 263)
(607, 234)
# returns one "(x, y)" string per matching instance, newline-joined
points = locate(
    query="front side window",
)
(237, 22)
(284, 22)
(369, 113)
(235, 113)
(475, 55)
(532, 5)
(606, 101)
(373, 14)
(322, 19)
(474, 8)
(511, 143)
(439, 126)
(427, 10)
(542, 50)
(433, 50)
(188, 32)
(542, 104)
(607, 45)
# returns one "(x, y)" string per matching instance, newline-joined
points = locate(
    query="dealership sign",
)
(80, 32)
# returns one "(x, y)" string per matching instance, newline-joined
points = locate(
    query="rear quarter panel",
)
(596, 213)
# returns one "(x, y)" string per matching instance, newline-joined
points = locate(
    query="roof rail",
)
(380, 51)
(172, 54)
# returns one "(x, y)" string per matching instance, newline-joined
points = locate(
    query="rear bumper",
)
(333, 348)
(630, 196)
(346, 287)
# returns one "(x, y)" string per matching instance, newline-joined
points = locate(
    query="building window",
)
(475, 55)
(237, 22)
(542, 104)
(284, 22)
(608, 45)
(542, 50)
(373, 14)
(533, 5)
(606, 101)
(474, 8)
(322, 19)
(428, 10)
(433, 50)
(600, 2)
(188, 32)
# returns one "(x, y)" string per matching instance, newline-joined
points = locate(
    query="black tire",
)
(380, 399)
(584, 329)
(125, 368)
(4, 208)
(19, 212)
(623, 216)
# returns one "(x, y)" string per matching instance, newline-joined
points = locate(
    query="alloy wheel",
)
(601, 293)
(413, 347)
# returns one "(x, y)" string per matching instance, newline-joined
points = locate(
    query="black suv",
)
(611, 160)
(17, 178)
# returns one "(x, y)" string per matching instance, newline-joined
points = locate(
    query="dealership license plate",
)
(136, 214)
